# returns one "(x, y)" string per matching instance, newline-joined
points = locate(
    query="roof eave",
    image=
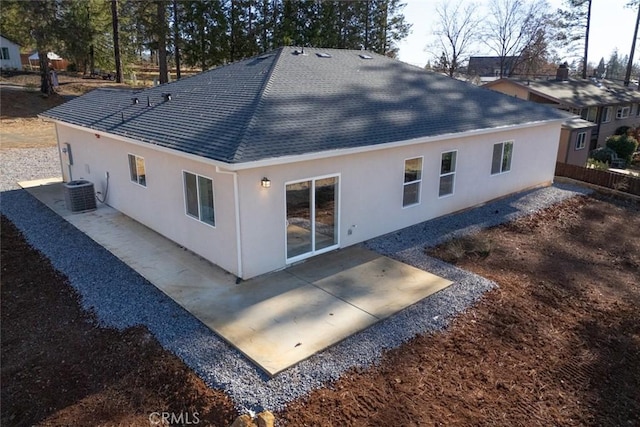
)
(275, 161)
(148, 145)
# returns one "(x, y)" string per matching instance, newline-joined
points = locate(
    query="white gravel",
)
(121, 298)
(26, 164)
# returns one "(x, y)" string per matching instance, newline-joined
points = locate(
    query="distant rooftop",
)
(580, 93)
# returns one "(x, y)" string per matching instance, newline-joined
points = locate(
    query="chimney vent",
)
(562, 75)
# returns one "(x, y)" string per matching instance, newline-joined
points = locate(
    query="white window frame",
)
(139, 179)
(312, 202)
(502, 158)
(417, 182)
(4, 53)
(198, 200)
(452, 173)
(592, 114)
(606, 114)
(581, 140)
(623, 112)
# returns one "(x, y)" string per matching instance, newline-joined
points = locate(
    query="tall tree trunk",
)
(92, 60)
(176, 37)
(232, 46)
(46, 86)
(586, 42)
(162, 43)
(366, 26)
(116, 39)
(627, 76)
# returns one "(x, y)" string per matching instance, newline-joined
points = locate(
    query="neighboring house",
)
(606, 104)
(490, 68)
(575, 137)
(274, 159)
(9, 54)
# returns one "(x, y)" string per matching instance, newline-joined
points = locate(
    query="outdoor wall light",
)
(265, 182)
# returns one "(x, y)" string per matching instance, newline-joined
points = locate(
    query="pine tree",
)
(574, 22)
(600, 71)
(116, 40)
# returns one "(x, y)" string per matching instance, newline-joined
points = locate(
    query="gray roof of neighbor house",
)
(579, 93)
(8, 39)
(486, 66)
(286, 103)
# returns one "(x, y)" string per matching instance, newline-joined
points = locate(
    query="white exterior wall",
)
(160, 205)
(370, 190)
(14, 55)
(371, 186)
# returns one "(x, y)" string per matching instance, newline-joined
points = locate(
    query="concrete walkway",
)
(277, 319)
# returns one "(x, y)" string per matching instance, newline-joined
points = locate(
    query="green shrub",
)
(597, 164)
(623, 145)
(622, 130)
(603, 155)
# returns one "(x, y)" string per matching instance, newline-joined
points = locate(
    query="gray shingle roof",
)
(284, 103)
(580, 93)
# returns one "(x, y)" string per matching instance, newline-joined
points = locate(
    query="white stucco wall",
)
(371, 188)
(370, 197)
(160, 205)
(14, 55)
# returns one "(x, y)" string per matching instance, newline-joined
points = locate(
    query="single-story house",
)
(270, 160)
(9, 54)
(607, 105)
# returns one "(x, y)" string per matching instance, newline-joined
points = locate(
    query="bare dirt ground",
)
(556, 344)
(21, 102)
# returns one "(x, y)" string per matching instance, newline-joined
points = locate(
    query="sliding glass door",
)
(312, 217)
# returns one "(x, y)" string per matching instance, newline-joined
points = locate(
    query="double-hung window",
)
(4, 53)
(447, 173)
(606, 114)
(501, 160)
(581, 140)
(623, 112)
(590, 114)
(412, 180)
(198, 196)
(137, 170)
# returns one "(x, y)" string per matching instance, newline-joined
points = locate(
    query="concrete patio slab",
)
(277, 319)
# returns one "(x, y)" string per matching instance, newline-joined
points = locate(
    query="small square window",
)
(137, 170)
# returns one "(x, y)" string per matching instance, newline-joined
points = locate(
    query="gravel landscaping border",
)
(121, 298)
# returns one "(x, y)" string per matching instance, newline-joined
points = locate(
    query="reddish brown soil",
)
(558, 343)
(59, 368)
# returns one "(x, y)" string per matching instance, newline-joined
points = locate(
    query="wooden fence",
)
(617, 181)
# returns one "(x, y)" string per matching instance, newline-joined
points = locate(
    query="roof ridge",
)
(258, 104)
